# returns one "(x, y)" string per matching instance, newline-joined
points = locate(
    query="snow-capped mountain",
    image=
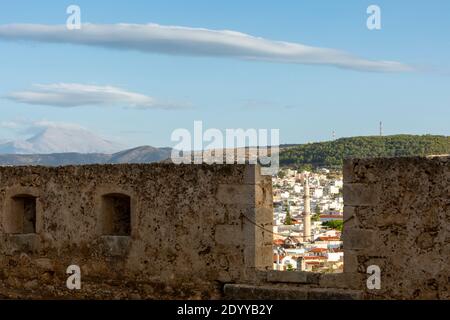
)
(54, 139)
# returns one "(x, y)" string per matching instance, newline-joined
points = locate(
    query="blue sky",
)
(306, 102)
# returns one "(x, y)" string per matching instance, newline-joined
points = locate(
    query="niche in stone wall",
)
(21, 218)
(116, 214)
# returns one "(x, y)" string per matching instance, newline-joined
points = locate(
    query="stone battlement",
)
(164, 231)
(136, 231)
(397, 216)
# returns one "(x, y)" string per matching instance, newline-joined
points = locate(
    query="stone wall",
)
(193, 228)
(397, 216)
(196, 229)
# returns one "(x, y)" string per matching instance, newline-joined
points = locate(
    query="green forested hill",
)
(332, 153)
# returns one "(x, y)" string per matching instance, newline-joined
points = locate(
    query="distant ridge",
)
(320, 154)
(144, 154)
(332, 153)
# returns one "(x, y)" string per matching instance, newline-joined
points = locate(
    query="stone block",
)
(348, 171)
(263, 257)
(250, 292)
(275, 292)
(252, 174)
(353, 281)
(335, 294)
(263, 196)
(350, 218)
(350, 261)
(349, 212)
(229, 235)
(357, 239)
(27, 243)
(44, 264)
(264, 216)
(293, 277)
(115, 245)
(360, 194)
(236, 194)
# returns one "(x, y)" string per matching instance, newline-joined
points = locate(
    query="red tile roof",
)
(315, 258)
(329, 238)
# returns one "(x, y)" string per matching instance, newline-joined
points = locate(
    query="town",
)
(308, 220)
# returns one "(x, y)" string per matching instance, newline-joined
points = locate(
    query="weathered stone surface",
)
(293, 277)
(196, 228)
(355, 239)
(229, 235)
(187, 233)
(115, 246)
(402, 210)
(237, 194)
(354, 281)
(348, 171)
(44, 264)
(360, 194)
(277, 292)
(350, 261)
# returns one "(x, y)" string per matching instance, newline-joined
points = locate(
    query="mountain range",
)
(71, 145)
(77, 147)
(144, 154)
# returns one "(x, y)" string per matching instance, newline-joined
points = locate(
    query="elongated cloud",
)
(152, 38)
(76, 95)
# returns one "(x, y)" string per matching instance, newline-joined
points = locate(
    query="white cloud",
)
(75, 95)
(153, 38)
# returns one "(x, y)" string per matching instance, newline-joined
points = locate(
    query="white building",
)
(318, 192)
(334, 190)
